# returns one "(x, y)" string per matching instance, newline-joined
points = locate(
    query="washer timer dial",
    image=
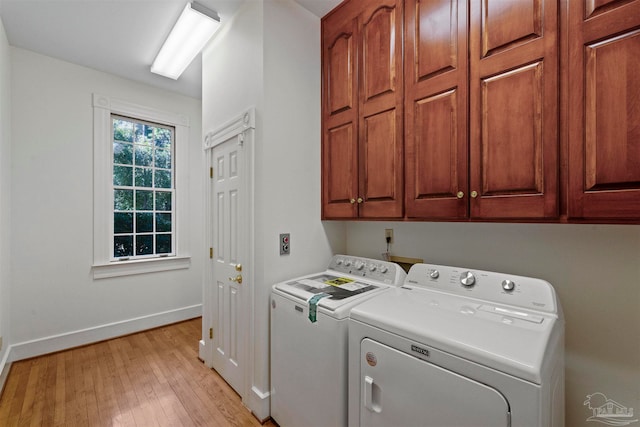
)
(467, 279)
(508, 285)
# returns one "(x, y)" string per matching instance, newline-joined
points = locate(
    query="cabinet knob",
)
(474, 194)
(360, 200)
(352, 201)
(460, 194)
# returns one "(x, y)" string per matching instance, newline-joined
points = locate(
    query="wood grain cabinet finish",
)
(502, 160)
(480, 102)
(436, 103)
(362, 146)
(513, 123)
(604, 110)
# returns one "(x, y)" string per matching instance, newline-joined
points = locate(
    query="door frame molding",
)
(243, 127)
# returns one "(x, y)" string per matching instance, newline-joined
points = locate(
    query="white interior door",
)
(227, 290)
(399, 390)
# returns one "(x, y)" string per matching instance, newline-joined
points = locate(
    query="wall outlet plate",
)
(285, 244)
(388, 234)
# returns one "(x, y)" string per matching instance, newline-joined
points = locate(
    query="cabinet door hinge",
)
(210, 333)
(211, 253)
(210, 172)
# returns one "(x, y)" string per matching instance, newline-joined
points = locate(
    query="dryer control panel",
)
(498, 288)
(373, 269)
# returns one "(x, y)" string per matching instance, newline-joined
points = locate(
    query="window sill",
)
(139, 266)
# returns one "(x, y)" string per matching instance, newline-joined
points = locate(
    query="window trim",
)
(103, 263)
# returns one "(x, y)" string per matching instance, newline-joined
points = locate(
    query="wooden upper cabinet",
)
(514, 109)
(362, 151)
(340, 117)
(436, 99)
(604, 109)
(381, 110)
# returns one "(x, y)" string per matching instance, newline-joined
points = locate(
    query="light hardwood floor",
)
(152, 378)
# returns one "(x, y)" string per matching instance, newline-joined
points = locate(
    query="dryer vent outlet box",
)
(285, 244)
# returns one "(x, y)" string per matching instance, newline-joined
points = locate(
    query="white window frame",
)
(104, 265)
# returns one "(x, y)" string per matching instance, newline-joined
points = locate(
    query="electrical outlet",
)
(388, 234)
(285, 244)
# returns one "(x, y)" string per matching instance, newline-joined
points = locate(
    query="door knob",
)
(238, 267)
(238, 279)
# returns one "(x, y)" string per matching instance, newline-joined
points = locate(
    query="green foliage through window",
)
(143, 188)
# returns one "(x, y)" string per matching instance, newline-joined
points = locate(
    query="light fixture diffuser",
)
(192, 31)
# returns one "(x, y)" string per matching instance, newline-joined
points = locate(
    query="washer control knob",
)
(467, 279)
(339, 261)
(347, 263)
(372, 267)
(508, 285)
(359, 265)
(434, 274)
(383, 269)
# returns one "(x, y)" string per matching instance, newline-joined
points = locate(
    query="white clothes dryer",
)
(458, 348)
(309, 338)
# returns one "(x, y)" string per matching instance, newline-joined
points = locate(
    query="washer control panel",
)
(373, 269)
(499, 288)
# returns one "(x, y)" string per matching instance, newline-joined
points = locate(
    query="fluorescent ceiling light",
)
(193, 30)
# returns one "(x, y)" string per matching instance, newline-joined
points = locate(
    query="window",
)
(143, 189)
(140, 189)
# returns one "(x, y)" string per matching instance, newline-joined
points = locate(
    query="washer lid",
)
(514, 341)
(341, 290)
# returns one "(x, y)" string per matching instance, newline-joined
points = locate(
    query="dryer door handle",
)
(372, 395)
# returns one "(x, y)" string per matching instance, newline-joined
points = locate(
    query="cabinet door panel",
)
(506, 23)
(435, 35)
(379, 54)
(511, 138)
(339, 172)
(340, 73)
(339, 116)
(436, 109)
(612, 112)
(381, 166)
(594, 7)
(435, 158)
(514, 109)
(381, 110)
(604, 110)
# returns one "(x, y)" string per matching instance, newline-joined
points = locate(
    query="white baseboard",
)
(5, 366)
(202, 348)
(51, 344)
(260, 404)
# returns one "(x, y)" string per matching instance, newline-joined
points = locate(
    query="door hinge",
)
(210, 172)
(210, 333)
(211, 253)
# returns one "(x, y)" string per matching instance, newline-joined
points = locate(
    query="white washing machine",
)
(459, 348)
(309, 338)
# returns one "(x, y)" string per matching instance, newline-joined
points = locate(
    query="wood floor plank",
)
(153, 378)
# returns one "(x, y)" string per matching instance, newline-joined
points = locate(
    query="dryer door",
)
(398, 389)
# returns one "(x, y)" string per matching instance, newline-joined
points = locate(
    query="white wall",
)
(52, 289)
(595, 270)
(269, 56)
(5, 191)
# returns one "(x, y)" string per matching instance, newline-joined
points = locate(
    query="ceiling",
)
(120, 37)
